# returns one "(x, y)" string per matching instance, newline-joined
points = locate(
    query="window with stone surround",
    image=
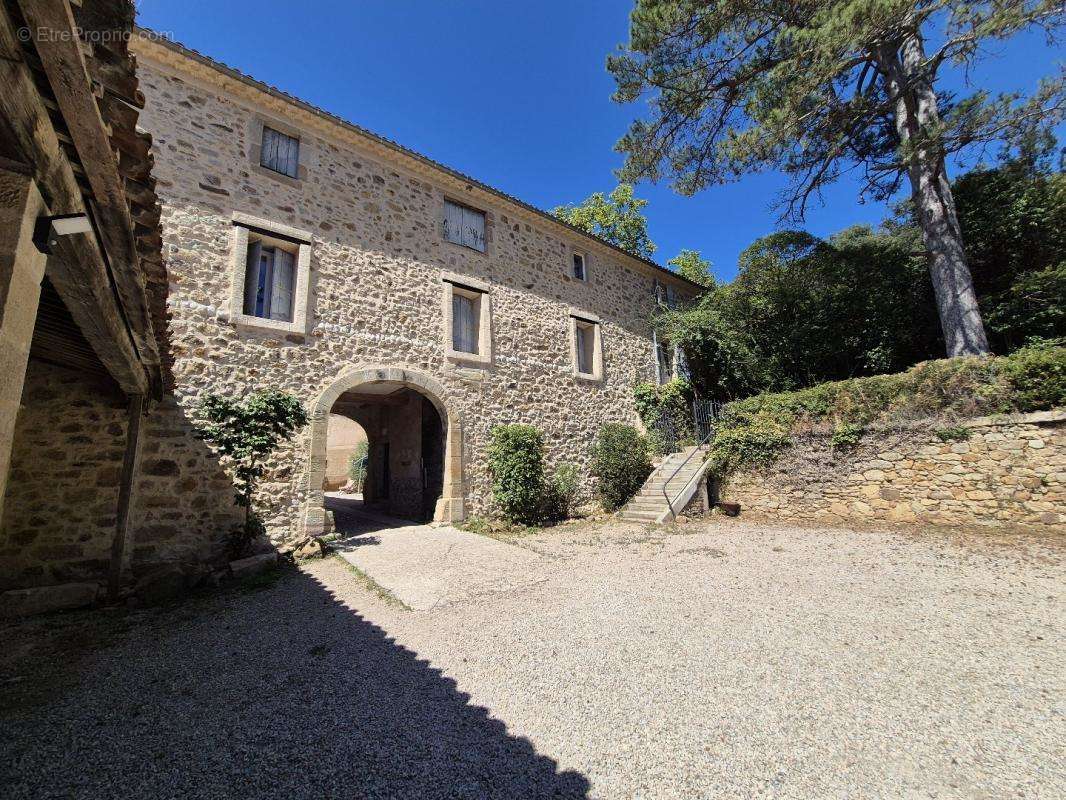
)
(280, 152)
(269, 280)
(269, 275)
(467, 319)
(586, 345)
(464, 225)
(579, 266)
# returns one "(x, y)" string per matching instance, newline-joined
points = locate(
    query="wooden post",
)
(125, 494)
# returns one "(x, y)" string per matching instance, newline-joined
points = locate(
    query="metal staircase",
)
(669, 488)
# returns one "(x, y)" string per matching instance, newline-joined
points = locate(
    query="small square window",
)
(280, 152)
(270, 266)
(579, 271)
(464, 225)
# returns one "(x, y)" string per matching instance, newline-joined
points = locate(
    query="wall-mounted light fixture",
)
(47, 231)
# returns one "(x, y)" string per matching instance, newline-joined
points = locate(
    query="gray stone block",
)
(40, 599)
(253, 565)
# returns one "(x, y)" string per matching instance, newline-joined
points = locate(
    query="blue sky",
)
(514, 94)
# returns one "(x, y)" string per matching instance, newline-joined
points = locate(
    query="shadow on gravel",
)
(281, 693)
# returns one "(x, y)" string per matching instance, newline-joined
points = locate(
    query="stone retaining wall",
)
(1010, 470)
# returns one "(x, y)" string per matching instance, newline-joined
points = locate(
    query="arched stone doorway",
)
(364, 382)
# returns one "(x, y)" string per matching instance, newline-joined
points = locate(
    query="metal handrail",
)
(666, 483)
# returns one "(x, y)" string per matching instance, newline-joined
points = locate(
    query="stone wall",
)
(183, 501)
(62, 498)
(1010, 470)
(377, 256)
(62, 495)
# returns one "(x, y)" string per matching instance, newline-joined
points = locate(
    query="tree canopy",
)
(804, 310)
(690, 264)
(617, 218)
(815, 89)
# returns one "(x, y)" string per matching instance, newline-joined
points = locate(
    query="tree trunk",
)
(917, 117)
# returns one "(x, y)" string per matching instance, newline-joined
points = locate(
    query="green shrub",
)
(244, 433)
(666, 408)
(754, 444)
(620, 460)
(753, 431)
(955, 433)
(357, 464)
(1037, 375)
(846, 435)
(516, 463)
(559, 499)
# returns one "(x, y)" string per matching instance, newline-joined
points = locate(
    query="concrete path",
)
(428, 566)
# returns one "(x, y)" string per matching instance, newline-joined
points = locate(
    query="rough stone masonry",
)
(364, 219)
(994, 471)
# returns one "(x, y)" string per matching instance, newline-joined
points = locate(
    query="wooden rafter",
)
(78, 272)
(63, 61)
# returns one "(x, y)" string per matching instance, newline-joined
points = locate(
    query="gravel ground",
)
(721, 660)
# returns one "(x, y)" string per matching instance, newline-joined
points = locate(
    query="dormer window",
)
(579, 271)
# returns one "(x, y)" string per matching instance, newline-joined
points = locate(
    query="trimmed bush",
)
(1037, 375)
(559, 499)
(755, 444)
(516, 463)
(620, 460)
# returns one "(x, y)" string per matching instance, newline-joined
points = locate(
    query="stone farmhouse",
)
(307, 254)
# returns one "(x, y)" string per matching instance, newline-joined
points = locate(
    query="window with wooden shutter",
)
(282, 285)
(280, 152)
(269, 282)
(464, 225)
(465, 313)
(251, 277)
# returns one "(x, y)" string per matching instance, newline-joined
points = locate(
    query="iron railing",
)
(705, 415)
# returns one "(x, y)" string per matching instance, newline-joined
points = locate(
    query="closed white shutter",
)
(251, 276)
(282, 286)
(474, 229)
(453, 222)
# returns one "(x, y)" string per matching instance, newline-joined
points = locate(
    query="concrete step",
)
(640, 507)
(640, 516)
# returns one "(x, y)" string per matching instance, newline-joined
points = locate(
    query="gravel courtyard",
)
(721, 659)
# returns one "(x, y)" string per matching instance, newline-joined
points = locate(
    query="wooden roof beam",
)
(64, 63)
(77, 271)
